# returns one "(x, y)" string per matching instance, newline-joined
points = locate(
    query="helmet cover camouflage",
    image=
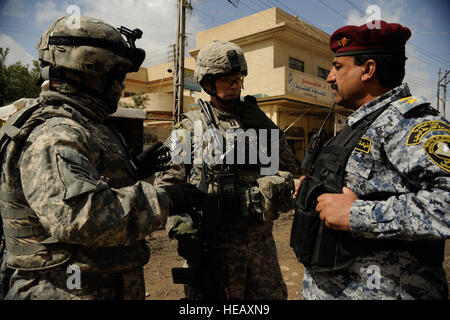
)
(58, 49)
(219, 57)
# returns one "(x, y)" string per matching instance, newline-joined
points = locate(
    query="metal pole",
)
(181, 61)
(438, 86)
(178, 79)
(445, 91)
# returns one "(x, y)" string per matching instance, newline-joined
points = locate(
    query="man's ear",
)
(369, 68)
(206, 85)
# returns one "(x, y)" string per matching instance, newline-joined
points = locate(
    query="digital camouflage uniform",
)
(69, 195)
(76, 177)
(406, 153)
(244, 245)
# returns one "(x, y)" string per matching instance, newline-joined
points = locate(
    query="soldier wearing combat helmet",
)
(376, 204)
(74, 205)
(243, 261)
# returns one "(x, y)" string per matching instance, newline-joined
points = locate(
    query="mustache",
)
(334, 86)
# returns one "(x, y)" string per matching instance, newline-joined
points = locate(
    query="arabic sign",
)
(307, 86)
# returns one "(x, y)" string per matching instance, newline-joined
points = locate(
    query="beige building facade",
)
(288, 61)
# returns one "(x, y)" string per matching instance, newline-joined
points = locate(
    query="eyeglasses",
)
(228, 81)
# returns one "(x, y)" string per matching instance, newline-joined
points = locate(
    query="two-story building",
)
(288, 62)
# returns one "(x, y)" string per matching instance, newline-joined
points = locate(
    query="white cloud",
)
(48, 11)
(157, 19)
(16, 51)
(417, 72)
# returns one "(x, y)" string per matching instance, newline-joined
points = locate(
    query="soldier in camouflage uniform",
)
(74, 207)
(244, 245)
(396, 195)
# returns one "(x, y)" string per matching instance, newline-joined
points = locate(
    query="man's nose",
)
(331, 78)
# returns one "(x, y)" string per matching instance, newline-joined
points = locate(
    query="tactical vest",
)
(28, 244)
(239, 188)
(325, 249)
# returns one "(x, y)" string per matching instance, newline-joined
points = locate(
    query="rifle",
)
(206, 274)
(314, 147)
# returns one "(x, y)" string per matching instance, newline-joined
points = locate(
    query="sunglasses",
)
(228, 81)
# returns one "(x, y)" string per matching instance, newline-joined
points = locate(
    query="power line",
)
(355, 6)
(333, 9)
(296, 13)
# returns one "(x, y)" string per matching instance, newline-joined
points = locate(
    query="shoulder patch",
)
(407, 104)
(417, 133)
(178, 125)
(364, 145)
(438, 149)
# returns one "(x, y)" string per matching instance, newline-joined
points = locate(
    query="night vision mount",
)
(131, 35)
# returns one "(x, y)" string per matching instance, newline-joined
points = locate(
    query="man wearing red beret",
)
(381, 187)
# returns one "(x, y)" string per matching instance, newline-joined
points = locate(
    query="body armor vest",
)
(24, 235)
(235, 186)
(325, 249)
(29, 245)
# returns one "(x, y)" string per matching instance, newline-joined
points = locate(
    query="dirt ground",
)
(164, 257)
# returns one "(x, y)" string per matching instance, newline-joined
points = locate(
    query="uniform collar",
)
(91, 107)
(393, 95)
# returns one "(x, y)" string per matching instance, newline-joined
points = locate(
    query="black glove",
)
(184, 230)
(152, 160)
(185, 198)
(253, 117)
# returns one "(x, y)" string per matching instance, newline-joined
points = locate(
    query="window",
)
(322, 73)
(296, 64)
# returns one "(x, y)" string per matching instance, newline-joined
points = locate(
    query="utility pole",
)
(178, 76)
(438, 87)
(442, 83)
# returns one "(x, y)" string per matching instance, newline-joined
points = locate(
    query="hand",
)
(184, 231)
(297, 186)
(183, 228)
(253, 117)
(185, 198)
(334, 209)
(152, 160)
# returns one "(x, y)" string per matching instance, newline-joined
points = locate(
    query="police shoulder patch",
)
(417, 133)
(364, 145)
(438, 149)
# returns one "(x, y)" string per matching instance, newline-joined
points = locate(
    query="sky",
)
(23, 21)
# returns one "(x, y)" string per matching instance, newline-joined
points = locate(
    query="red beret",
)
(354, 40)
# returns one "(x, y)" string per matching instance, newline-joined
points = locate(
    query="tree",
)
(17, 81)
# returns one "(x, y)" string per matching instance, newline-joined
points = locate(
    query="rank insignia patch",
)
(364, 145)
(438, 149)
(417, 133)
(344, 41)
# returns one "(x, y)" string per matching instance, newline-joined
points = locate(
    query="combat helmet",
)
(219, 58)
(93, 50)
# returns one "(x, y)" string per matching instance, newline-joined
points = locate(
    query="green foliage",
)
(17, 81)
(140, 99)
